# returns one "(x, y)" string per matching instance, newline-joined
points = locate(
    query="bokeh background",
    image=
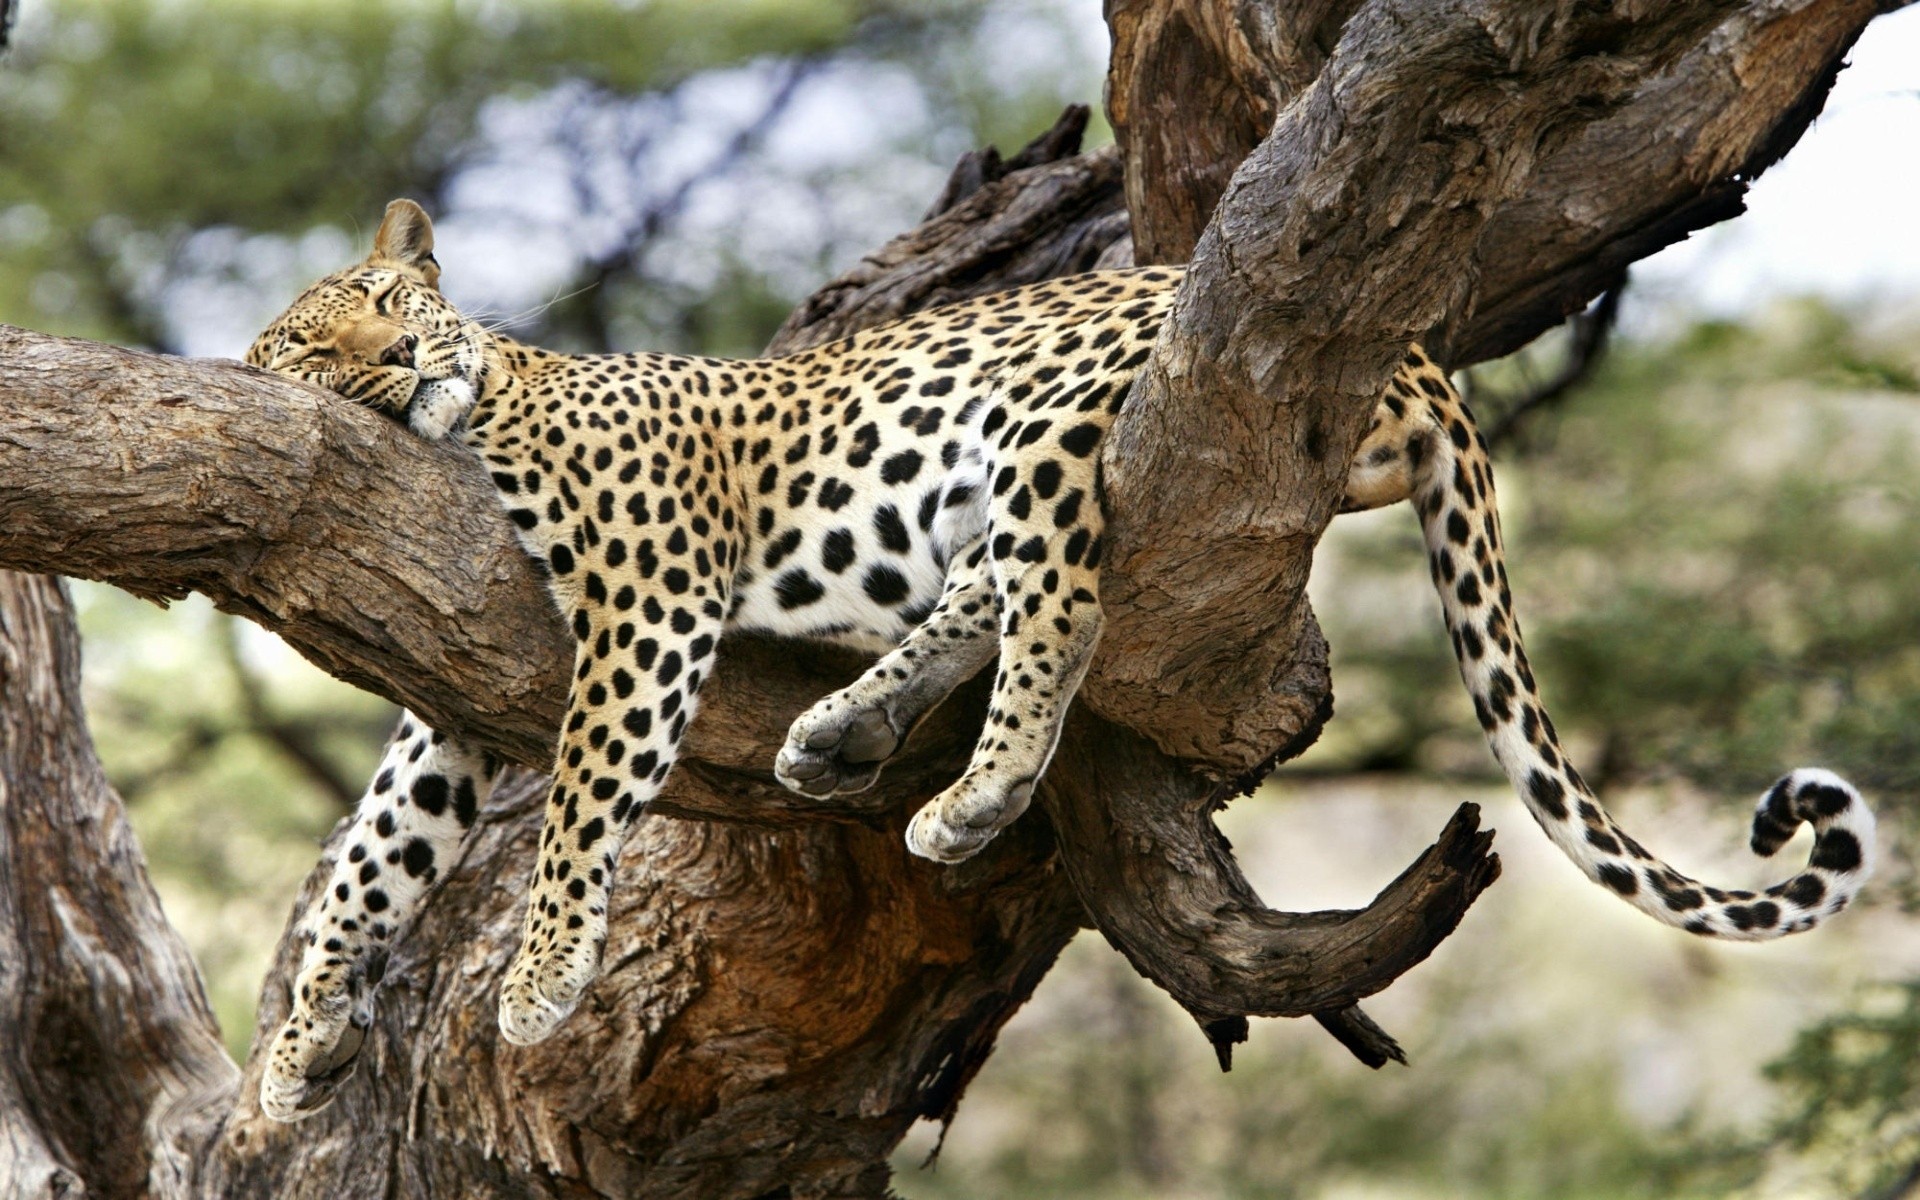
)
(1715, 541)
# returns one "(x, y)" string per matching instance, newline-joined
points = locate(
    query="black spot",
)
(1081, 439)
(836, 551)
(592, 832)
(562, 560)
(834, 494)
(376, 900)
(1549, 793)
(796, 589)
(1619, 879)
(1825, 799)
(430, 793)
(891, 529)
(884, 585)
(1836, 850)
(901, 468)
(1805, 890)
(1076, 547)
(417, 858)
(782, 546)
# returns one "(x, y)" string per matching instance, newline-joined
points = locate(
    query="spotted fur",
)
(934, 487)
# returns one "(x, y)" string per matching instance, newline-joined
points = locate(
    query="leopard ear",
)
(405, 240)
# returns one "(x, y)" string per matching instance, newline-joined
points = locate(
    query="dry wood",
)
(1675, 155)
(787, 991)
(111, 1068)
(1338, 242)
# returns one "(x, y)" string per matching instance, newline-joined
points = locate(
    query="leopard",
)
(931, 492)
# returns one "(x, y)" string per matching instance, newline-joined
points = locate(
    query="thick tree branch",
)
(1674, 155)
(108, 1041)
(1338, 243)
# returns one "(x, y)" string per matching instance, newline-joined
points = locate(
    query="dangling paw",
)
(548, 977)
(837, 747)
(957, 823)
(316, 1050)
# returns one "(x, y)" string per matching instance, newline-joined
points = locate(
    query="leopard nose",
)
(400, 354)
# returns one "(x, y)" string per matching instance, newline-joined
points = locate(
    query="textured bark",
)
(111, 1068)
(1338, 242)
(787, 990)
(1673, 155)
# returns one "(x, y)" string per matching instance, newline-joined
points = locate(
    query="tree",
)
(787, 992)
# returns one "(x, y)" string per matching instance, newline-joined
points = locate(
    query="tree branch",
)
(1337, 244)
(1674, 153)
(110, 1043)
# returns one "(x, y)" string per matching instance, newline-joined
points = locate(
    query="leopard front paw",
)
(835, 748)
(318, 1047)
(543, 987)
(959, 822)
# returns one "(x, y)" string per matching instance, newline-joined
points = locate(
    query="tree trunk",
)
(786, 989)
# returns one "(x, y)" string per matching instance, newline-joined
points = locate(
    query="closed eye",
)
(308, 356)
(382, 295)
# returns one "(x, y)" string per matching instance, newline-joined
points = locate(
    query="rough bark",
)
(787, 990)
(1432, 127)
(111, 1068)
(1674, 155)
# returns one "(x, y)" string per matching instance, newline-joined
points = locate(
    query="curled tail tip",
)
(1815, 796)
(1841, 860)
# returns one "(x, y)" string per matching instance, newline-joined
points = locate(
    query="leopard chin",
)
(438, 407)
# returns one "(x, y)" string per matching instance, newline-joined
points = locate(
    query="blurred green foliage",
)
(149, 142)
(128, 123)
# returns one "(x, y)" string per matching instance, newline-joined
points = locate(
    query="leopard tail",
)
(1452, 488)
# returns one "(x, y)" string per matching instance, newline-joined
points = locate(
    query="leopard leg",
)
(635, 689)
(840, 744)
(1043, 542)
(1383, 467)
(411, 822)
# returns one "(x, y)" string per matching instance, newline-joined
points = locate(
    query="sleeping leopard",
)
(931, 491)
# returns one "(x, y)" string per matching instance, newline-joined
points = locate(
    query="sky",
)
(1834, 219)
(1838, 216)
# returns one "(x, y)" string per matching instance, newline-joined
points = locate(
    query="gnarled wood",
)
(1676, 155)
(111, 1068)
(1338, 242)
(787, 991)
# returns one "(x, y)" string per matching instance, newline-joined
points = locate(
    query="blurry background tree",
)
(1715, 541)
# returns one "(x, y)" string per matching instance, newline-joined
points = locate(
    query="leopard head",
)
(380, 334)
